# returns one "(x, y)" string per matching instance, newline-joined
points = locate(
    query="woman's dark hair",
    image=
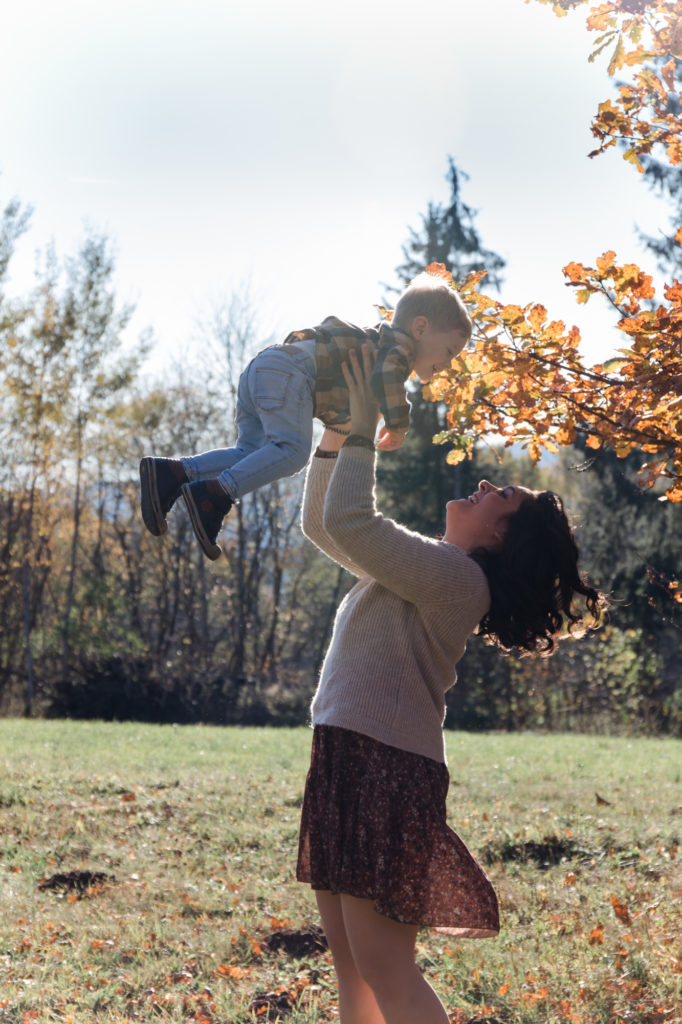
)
(533, 580)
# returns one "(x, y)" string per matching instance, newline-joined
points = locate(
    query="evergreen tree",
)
(448, 235)
(416, 482)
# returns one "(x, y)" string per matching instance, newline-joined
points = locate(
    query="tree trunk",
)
(71, 587)
(27, 616)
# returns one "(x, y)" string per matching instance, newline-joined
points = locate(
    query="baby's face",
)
(436, 350)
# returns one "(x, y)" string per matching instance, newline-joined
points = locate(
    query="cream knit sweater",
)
(403, 626)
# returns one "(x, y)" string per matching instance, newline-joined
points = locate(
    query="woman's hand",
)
(364, 408)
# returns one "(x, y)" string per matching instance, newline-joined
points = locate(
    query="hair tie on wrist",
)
(358, 441)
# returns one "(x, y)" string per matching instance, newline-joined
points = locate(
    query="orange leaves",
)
(526, 382)
(596, 937)
(537, 316)
(630, 279)
(620, 910)
(605, 262)
(511, 315)
(439, 270)
(619, 56)
(642, 33)
(232, 971)
(601, 17)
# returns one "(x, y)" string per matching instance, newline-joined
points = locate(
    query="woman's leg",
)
(383, 952)
(357, 1004)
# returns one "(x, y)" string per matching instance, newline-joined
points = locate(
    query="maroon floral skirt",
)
(373, 825)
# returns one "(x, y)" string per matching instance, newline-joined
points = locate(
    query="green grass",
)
(195, 830)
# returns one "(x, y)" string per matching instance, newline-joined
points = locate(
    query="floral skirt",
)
(373, 825)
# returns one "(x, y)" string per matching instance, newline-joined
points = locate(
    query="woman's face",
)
(480, 519)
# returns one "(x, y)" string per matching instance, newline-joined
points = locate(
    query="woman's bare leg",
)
(383, 952)
(357, 1004)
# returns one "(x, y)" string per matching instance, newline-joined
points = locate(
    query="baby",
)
(287, 385)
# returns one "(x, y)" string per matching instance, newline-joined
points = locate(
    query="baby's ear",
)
(418, 326)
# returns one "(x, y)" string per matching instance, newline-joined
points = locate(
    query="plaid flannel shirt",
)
(395, 358)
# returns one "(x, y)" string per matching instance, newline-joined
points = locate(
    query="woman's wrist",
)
(358, 440)
(332, 440)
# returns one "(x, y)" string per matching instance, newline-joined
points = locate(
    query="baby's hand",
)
(390, 440)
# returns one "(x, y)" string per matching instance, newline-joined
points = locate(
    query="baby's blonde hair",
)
(431, 296)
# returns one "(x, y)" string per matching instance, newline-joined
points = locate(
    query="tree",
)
(415, 483)
(89, 329)
(448, 235)
(32, 392)
(525, 379)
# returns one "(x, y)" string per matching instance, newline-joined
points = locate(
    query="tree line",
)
(99, 619)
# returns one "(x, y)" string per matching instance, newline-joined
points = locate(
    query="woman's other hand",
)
(390, 440)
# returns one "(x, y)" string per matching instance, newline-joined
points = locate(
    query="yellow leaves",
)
(601, 18)
(674, 492)
(525, 380)
(631, 156)
(511, 314)
(565, 434)
(630, 278)
(606, 262)
(674, 151)
(471, 282)
(668, 71)
(607, 113)
(618, 57)
(534, 450)
(537, 316)
(455, 456)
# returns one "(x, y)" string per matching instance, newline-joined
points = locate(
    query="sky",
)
(288, 147)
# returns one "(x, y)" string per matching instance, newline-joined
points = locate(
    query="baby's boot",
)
(160, 483)
(207, 504)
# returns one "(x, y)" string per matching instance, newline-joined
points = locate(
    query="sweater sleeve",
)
(316, 483)
(416, 568)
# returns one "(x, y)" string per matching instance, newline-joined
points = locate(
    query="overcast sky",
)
(291, 144)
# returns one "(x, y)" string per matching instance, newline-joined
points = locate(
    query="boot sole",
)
(152, 514)
(210, 549)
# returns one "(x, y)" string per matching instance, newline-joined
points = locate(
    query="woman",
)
(374, 843)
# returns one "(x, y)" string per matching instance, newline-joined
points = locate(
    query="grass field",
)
(147, 874)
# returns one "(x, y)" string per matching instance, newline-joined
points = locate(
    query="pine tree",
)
(416, 482)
